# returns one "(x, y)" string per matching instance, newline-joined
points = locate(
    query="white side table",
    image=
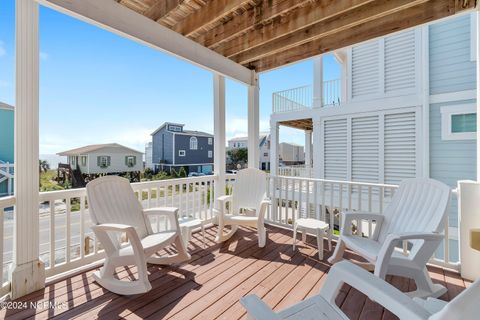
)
(320, 228)
(187, 226)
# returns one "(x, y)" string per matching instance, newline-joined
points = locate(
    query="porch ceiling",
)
(266, 34)
(303, 124)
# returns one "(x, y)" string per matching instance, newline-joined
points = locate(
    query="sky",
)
(97, 87)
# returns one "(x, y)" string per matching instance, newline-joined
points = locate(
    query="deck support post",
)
(219, 155)
(253, 123)
(28, 271)
(308, 150)
(274, 147)
(317, 150)
(318, 82)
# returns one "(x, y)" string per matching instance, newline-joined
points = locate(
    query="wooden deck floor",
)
(210, 285)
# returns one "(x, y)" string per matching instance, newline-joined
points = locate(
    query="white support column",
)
(28, 272)
(219, 133)
(317, 150)
(308, 149)
(253, 123)
(274, 137)
(318, 82)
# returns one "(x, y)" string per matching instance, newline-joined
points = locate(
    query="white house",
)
(104, 158)
(291, 154)
(263, 148)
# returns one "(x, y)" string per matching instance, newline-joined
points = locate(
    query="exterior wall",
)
(162, 147)
(264, 149)
(117, 161)
(235, 144)
(290, 153)
(149, 156)
(451, 68)
(199, 156)
(6, 141)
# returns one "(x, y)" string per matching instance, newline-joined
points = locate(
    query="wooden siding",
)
(451, 69)
(210, 285)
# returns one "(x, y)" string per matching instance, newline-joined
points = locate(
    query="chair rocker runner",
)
(416, 214)
(114, 210)
(322, 306)
(249, 195)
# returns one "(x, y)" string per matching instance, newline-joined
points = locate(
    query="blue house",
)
(6, 149)
(173, 148)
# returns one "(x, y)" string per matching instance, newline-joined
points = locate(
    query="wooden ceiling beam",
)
(248, 20)
(214, 10)
(319, 10)
(333, 25)
(411, 17)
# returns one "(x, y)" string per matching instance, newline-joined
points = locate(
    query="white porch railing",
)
(6, 213)
(6, 176)
(296, 171)
(325, 199)
(302, 97)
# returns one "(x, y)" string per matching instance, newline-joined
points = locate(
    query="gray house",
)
(173, 148)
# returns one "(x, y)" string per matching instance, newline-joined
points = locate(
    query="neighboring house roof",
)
(5, 106)
(262, 138)
(291, 144)
(92, 148)
(195, 133)
(165, 124)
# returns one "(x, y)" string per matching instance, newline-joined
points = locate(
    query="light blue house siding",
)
(6, 140)
(451, 70)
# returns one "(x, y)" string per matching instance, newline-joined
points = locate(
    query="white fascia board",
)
(114, 17)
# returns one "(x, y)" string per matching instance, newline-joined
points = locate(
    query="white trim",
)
(447, 112)
(453, 96)
(5, 106)
(173, 148)
(127, 23)
(219, 159)
(182, 153)
(473, 36)
(193, 143)
(210, 153)
(253, 123)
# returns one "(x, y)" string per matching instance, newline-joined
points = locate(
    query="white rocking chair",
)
(322, 306)
(416, 214)
(249, 195)
(115, 210)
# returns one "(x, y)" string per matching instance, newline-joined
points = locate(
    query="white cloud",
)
(3, 51)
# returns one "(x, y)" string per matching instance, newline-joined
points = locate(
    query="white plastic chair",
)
(416, 214)
(115, 210)
(249, 195)
(322, 306)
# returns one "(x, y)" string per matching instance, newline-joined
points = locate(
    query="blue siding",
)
(450, 67)
(6, 141)
(450, 161)
(162, 151)
(182, 142)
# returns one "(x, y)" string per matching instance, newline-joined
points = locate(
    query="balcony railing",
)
(67, 242)
(6, 176)
(296, 171)
(302, 97)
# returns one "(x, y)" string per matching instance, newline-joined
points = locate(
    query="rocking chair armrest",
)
(171, 213)
(392, 240)
(257, 309)
(373, 287)
(222, 201)
(225, 199)
(349, 216)
(113, 227)
(101, 231)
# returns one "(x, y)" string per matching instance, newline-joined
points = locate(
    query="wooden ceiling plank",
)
(333, 25)
(214, 10)
(423, 13)
(248, 20)
(305, 16)
(161, 8)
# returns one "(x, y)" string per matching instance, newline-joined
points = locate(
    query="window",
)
(103, 161)
(210, 153)
(73, 161)
(83, 161)
(175, 128)
(210, 141)
(265, 154)
(459, 122)
(181, 153)
(193, 143)
(130, 161)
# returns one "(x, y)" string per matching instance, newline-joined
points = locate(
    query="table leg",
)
(320, 243)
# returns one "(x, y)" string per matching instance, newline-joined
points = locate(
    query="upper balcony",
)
(303, 97)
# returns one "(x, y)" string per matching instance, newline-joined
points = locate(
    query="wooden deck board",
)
(210, 285)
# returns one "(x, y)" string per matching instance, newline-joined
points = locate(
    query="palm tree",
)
(43, 166)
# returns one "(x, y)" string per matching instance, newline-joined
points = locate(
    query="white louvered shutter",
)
(365, 69)
(400, 62)
(365, 149)
(335, 150)
(400, 147)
